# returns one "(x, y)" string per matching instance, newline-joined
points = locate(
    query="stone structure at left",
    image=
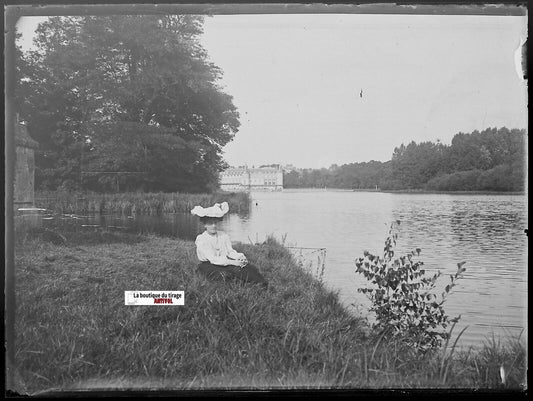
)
(24, 167)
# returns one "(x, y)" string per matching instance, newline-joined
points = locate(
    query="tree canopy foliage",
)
(491, 160)
(127, 100)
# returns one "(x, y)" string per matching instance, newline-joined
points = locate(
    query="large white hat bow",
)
(217, 210)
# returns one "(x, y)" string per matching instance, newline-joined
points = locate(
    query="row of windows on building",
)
(244, 179)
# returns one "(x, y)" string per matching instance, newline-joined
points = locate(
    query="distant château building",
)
(252, 179)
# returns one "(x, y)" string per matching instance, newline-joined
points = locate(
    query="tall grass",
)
(132, 202)
(497, 364)
(75, 327)
(74, 331)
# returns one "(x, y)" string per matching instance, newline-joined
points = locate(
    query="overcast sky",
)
(297, 81)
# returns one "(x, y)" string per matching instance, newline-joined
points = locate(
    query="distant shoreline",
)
(455, 192)
(407, 191)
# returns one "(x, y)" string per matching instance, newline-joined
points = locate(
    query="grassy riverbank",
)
(132, 202)
(74, 331)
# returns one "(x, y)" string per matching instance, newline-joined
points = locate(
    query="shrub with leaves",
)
(402, 296)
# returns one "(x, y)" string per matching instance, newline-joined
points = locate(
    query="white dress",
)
(216, 248)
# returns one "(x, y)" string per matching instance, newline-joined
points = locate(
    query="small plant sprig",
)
(402, 296)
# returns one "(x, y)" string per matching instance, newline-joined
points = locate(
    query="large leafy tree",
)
(415, 164)
(125, 94)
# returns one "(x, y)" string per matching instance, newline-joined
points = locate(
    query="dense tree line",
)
(491, 160)
(124, 102)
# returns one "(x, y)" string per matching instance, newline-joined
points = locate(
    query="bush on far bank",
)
(502, 178)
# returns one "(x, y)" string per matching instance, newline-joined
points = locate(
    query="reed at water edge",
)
(133, 202)
(74, 331)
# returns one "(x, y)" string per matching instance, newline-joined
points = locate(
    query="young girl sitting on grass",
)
(219, 261)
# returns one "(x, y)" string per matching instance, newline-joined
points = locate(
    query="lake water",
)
(486, 231)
